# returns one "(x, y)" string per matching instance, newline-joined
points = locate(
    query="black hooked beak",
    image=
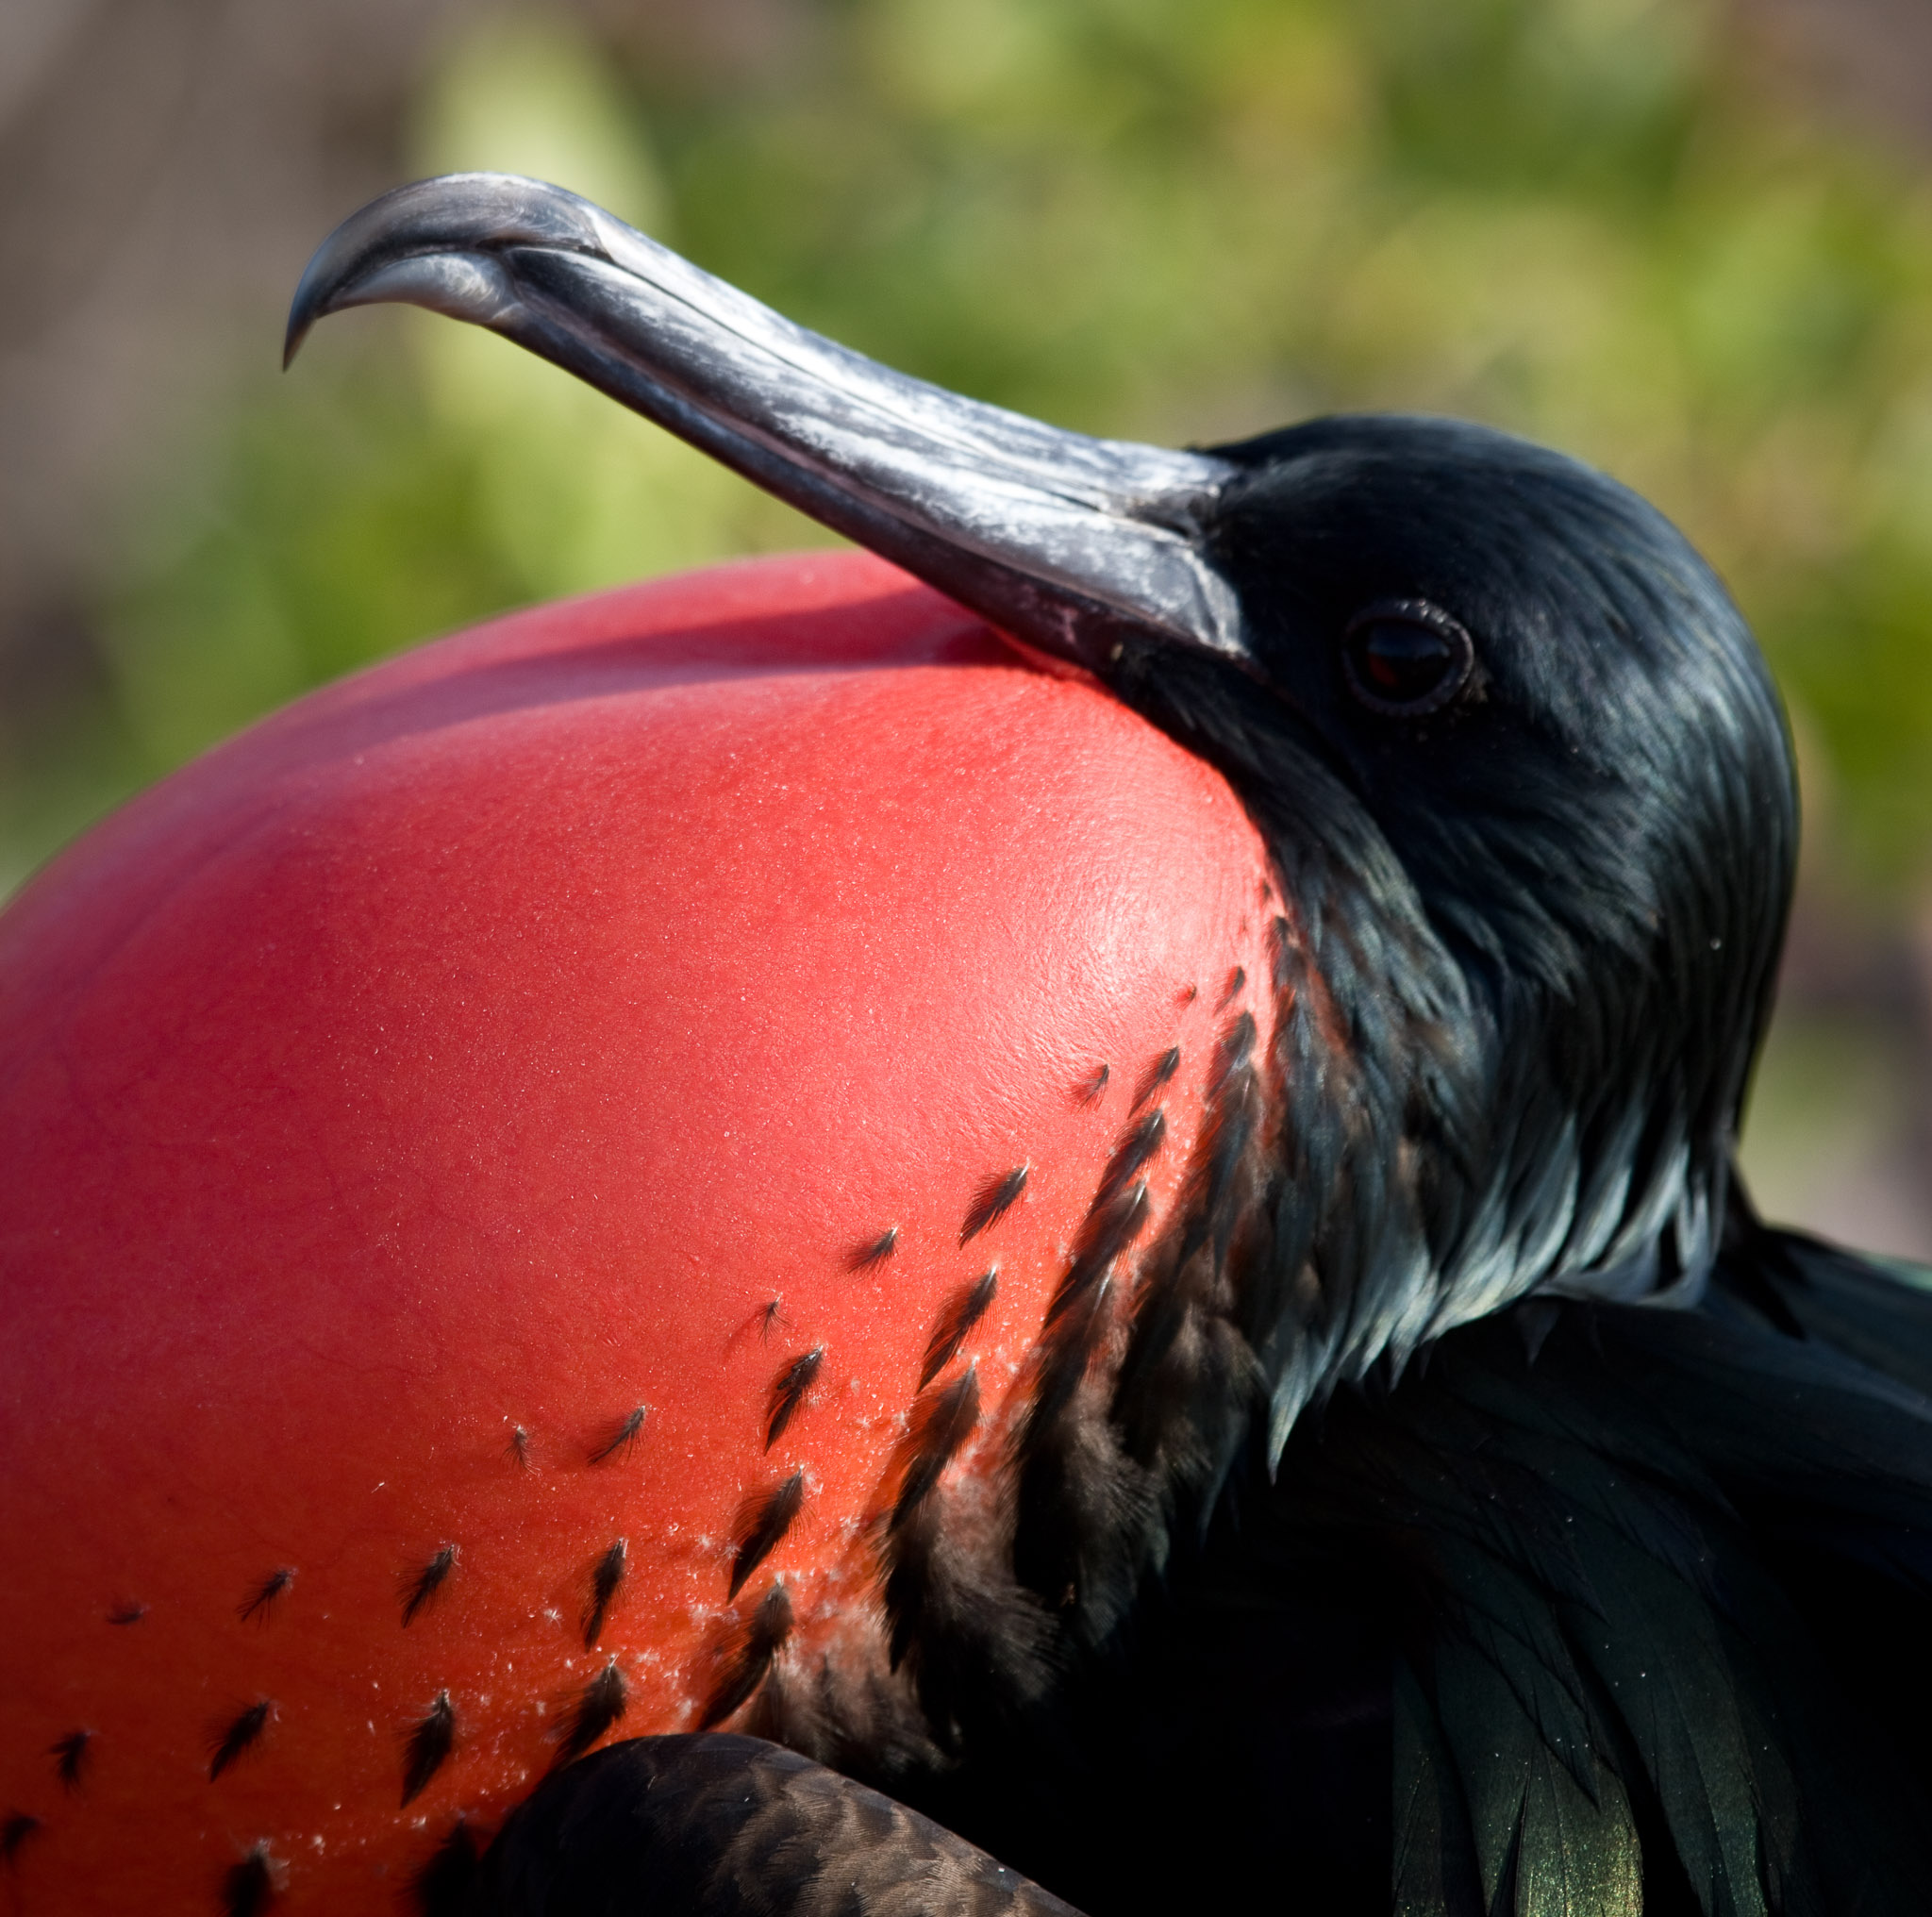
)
(1073, 544)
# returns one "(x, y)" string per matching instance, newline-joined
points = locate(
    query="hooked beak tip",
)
(433, 243)
(308, 305)
(326, 277)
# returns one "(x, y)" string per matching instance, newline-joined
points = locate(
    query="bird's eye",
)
(1404, 658)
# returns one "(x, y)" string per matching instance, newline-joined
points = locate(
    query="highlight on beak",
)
(1068, 543)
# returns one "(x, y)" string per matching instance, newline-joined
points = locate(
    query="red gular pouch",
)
(511, 1165)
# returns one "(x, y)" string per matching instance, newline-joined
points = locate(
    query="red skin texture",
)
(525, 1030)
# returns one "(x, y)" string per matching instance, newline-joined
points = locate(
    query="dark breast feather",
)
(720, 1826)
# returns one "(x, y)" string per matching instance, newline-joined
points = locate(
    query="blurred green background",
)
(1655, 233)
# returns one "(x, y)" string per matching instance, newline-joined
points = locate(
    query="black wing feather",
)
(1624, 1667)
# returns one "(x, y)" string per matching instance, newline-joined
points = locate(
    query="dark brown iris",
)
(1405, 657)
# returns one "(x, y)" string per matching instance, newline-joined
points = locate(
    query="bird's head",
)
(1518, 760)
(1509, 735)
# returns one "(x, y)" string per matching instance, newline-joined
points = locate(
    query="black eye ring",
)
(1404, 658)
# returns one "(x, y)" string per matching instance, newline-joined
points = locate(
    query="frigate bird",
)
(1420, 1482)
(1474, 1507)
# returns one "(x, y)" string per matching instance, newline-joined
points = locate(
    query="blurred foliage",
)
(1830, 1112)
(1584, 220)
